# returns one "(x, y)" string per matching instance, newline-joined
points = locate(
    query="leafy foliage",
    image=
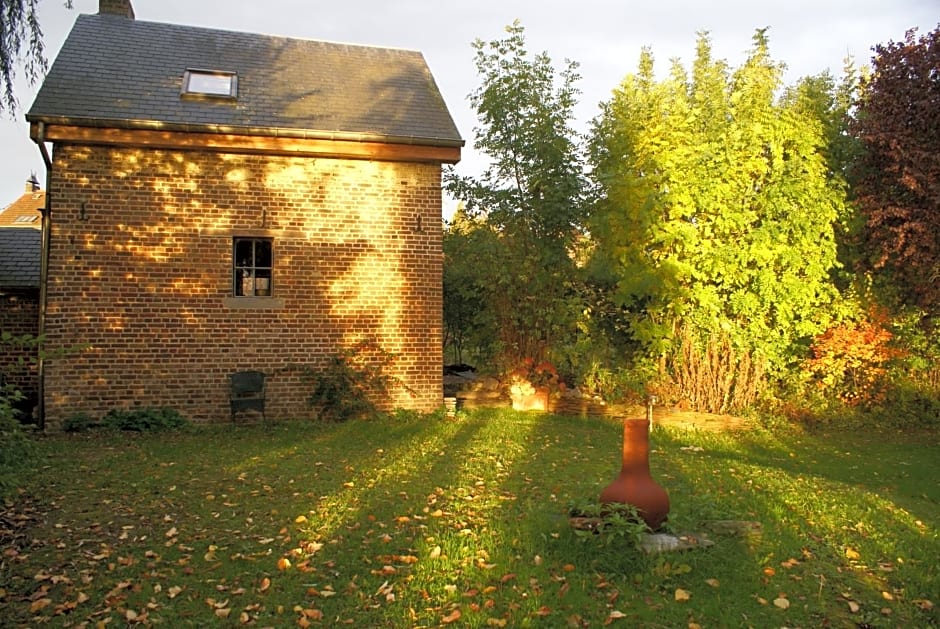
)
(351, 379)
(148, 419)
(850, 361)
(897, 176)
(716, 206)
(20, 42)
(469, 319)
(617, 522)
(80, 422)
(531, 198)
(16, 447)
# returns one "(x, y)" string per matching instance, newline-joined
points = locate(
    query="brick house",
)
(222, 201)
(19, 291)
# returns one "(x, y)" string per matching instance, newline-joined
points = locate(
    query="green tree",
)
(530, 196)
(716, 211)
(468, 244)
(20, 43)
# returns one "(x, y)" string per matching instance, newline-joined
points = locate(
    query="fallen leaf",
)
(435, 552)
(39, 604)
(223, 612)
(614, 615)
(713, 582)
(174, 591)
(682, 595)
(544, 610)
(854, 607)
(283, 563)
(781, 602)
(265, 584)
(851, 553)
(495, 622)
(454, 616)
(171, 533)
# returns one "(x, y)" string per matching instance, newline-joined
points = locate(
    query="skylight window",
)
(209, 83)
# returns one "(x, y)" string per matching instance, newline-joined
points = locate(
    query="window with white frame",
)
(212, 84)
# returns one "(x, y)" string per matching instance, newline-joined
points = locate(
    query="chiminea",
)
(634, 485)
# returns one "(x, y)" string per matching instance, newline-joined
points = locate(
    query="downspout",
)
(46, 212)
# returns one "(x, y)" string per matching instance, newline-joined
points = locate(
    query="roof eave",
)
(271, 132)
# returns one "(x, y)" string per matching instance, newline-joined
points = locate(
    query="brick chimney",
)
(116, 7)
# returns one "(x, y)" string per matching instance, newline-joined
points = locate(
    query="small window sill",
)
(253, 303)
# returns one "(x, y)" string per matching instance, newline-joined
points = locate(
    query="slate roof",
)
(114, 71)
(19, 257)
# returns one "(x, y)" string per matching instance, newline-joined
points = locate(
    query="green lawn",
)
(405, 522)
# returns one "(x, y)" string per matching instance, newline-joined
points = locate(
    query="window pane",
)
(216, 84)
(263, 256)
(244, 253)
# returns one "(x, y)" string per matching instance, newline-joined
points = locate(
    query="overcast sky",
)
(604, 36)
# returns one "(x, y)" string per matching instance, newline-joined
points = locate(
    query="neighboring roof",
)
(19, 258)
(24, 212)
(118, 72)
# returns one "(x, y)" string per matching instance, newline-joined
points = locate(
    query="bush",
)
(16, 447)
(346, 386)
(80, 422)
(145, 419)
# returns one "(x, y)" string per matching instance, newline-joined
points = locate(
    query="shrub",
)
(80, 422)
(850, 361)
(16, 447)
(711, 374)
(144, 419)
(619, 385)
(347, 384)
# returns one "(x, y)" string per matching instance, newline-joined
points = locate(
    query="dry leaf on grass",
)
(454, 616)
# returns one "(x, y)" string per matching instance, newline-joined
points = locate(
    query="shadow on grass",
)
(407, 522)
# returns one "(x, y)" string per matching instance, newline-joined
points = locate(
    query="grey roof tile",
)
(19, 257)
(114, 71)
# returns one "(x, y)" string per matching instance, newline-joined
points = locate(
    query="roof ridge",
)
(248, 33)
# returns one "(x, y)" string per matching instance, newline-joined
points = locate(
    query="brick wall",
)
(19, 315)
(144, 282)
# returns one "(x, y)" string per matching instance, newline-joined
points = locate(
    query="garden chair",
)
(247, 392)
